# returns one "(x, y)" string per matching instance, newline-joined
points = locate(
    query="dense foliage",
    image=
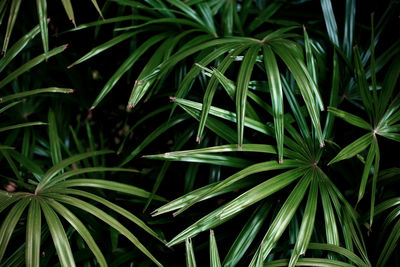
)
(216, 132)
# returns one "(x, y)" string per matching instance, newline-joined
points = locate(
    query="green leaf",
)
(9, 224)
(244, 75)
(55, 150)
(107, 219)
(320, 262)
(306, 85)
(339, 250)
(354, 148)
(15, 5)
(33, 234)
(275, 87)
(22, 125)
(283, 218)
(69, 10)
(128, 63)
(18, 46)
(35, 92)
(104, 184)
(247, 235)
(30, 64)
(212, 87)
(42, 14)
(334, 97)
(330, 21)
(58, 234)
(331, 229)
(307, 224)
(367, 170)
(61, 165)
(115, 208)
(105, 46)
(350, 118)
(235, 206)
(190, 259)
(363, 84)
(97, 8)
(214, 256)
(255, 168)
(390, 244)
(349, 22)
(153, 135)
(80, 228)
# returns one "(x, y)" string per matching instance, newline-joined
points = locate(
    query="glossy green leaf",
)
(153, 135)
(330, 21)
(350, 118)
(80, 228)
(331, 229)
(242, 87)
(99, 49)
(33, 234)
(354, 148)
(390, 244)
(15, 5)
(307, 224)
(41, 6)
(107, 219)
(283, 218)
(320, 262)
(362, 83)
(306, 85)
(69, 10)
(334, 96)
(349, 22)
(235, 206)
(190, 259)
(255, 168)
(61, 165)
(342, 251)
(109, 185)
(35, 92)
(58, 234)
(9, 223)
(30, 64)
(96, 5)
(247, 235)
(275, 86)
(22, 125)
(214, 255)
(18, 46)
(55, 149)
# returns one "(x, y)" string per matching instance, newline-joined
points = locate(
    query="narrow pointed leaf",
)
(362, 83)
(15, 5)
(247, 235)
(41, 6)
(214, 256)
(22, 125)
(35, 92)
(55, 149)
(235, 206)
(9, 223)
(283, 218)
(367, 170)
(30, 64)
(17, 47)
(59, 236)
(80, 228)
(56, 169)
(350, 118)
(275, 86)
(349, 22)
(190, 259)
(109, 220)
(330, 21)
(97, 8)
(128, 63)
(307, 224)
(69, 10)
(109, 185)
(242, 88)
(354, 148)
(33, 234)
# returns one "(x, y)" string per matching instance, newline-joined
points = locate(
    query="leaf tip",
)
(172, 98)
(240, 148)
(198, 139)
(280, 161)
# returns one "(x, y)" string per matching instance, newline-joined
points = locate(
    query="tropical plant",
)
(294, 114)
